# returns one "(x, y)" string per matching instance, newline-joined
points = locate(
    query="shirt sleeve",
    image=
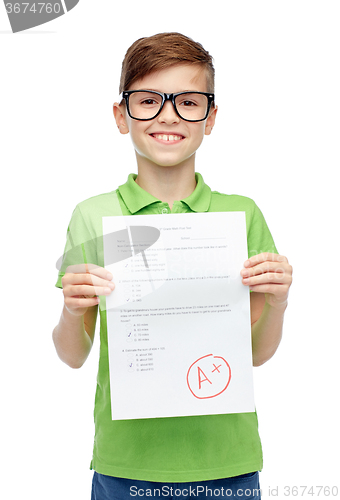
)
(259, 237)
(80, 247)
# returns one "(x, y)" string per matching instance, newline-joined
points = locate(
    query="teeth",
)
(164, 137)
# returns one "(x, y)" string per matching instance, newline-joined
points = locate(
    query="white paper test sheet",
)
(178, 320)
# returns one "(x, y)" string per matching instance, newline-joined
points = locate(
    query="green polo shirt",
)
(176, 449)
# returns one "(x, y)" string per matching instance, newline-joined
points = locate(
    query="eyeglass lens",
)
(145, 105)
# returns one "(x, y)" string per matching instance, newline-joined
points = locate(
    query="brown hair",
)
(163, 51)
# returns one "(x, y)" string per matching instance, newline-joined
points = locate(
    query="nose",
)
(168, 114)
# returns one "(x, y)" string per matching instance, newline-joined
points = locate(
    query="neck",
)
(167, 183)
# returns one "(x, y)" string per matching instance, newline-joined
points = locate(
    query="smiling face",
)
(167, 140)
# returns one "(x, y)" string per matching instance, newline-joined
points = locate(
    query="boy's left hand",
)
(271, 274)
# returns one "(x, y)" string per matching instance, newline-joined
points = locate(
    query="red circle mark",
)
(214, 395)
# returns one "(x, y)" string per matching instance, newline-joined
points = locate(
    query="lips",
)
(167, 137)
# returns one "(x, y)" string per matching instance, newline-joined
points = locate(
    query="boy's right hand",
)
(82, 284)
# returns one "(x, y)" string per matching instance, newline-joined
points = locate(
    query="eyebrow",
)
(155, 90)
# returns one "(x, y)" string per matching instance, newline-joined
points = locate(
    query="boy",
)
(167, 106)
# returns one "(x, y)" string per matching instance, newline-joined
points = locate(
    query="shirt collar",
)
(136, 198)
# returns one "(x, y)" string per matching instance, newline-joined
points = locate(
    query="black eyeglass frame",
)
(168, 97)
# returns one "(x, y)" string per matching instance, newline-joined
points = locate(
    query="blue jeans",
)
(245, 487)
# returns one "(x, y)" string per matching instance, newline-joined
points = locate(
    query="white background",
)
(276, 140)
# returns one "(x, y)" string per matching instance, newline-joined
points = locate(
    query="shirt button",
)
(164, 210)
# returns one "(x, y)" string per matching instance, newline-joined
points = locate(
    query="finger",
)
(99, 271)
(87, 290)
(85, 279)
(79, 302)
(266, 267)
(267, 278)
(263, 257)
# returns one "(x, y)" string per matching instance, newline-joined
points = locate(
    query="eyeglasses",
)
(147, 104)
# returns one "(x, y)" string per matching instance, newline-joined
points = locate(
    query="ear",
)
(210, 122)
(119, 112)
